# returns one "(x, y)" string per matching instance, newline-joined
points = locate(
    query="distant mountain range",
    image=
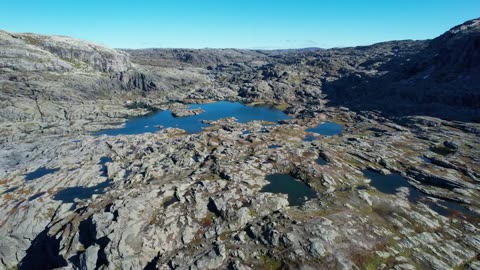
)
(438, 77)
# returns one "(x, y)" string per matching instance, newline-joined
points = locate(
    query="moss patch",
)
(31, 40)
(271, 263)
(281, 106)
(442, 150)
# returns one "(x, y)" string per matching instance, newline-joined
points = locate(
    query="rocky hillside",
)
(454, 55)
(61, 75)
(438, 77)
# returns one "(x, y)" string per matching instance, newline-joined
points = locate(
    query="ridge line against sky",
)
(243, 24)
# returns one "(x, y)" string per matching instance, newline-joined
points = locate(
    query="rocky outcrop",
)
(206, 58)
(19, 55)
(62, 51)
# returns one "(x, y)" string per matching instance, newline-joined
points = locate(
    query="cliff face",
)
(31, 52)
(18, 55)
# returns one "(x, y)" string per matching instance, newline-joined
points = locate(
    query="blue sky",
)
(259, 24)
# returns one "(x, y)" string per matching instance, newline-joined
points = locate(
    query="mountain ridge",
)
(78, 72)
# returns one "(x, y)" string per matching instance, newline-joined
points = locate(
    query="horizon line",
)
(262, 48)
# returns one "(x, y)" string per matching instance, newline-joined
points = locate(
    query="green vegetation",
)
(270, 263)
(77, 65)
(208, 219)
(383, 210)
(442, 150)
(50, 212)
(282, 106)
(224, 236)
(367, 261)
(31, 40)
(140, 105)
(167, 199)
(252, 212)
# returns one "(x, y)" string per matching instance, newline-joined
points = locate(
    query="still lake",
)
(193, 124)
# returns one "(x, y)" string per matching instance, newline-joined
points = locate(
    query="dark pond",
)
(274, 146)
(391, 182)
(425, 159)
(170, 201)
(103, 161)
(31, 198)
(297, 191)
(442, 150)
(321, 161)
(327, 129)
(42, 171)
(453, 209)
(68, 195)
(193, 124)
(12, 189)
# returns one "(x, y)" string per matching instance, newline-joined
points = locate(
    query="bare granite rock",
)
(391, 191)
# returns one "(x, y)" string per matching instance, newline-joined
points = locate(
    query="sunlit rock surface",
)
(397, 188)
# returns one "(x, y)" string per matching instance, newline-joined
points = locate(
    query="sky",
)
(251, 24)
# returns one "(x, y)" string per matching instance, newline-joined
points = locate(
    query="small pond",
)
(274, 146)
(309, 138)
(391, 182)
(38, 195)
(297, 191)
(327, 129)
(425, 159)
(12, 189)
(453, 209)
(40, 172)
(103, 161)
(193, 124)
(321, 161)
(69, 194)
(171, 200)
